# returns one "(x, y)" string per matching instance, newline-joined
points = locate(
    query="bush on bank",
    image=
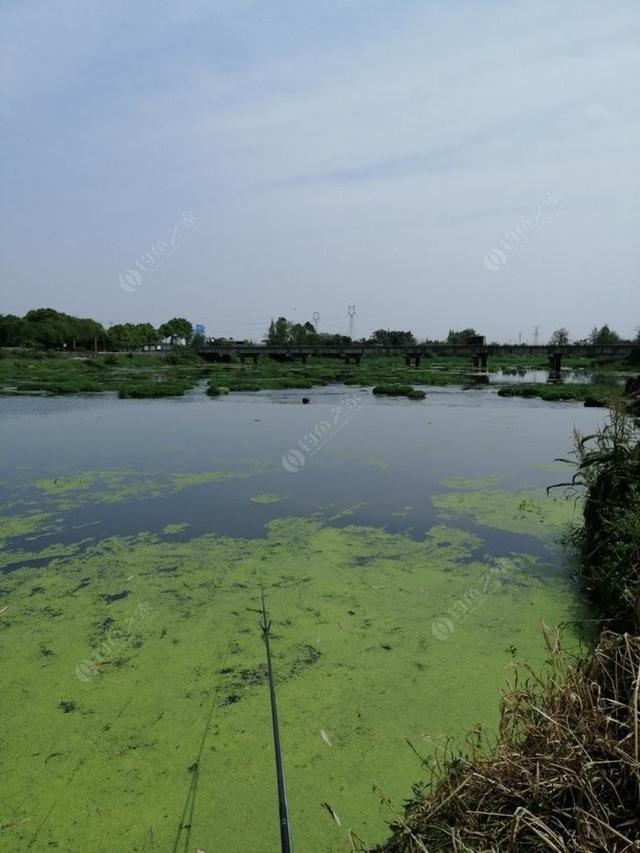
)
(399, 391)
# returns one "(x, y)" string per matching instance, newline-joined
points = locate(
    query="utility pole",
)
(351, 314)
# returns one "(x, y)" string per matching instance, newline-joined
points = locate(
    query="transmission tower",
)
(351, 314)
(316, 319)
(536, 336)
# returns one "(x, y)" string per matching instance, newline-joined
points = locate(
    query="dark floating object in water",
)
(305, 399)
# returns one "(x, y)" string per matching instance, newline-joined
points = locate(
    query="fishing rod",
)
(283, 806)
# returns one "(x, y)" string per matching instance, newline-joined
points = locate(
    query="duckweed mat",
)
(133, 674)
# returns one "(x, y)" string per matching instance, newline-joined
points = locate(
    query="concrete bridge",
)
(353, 353)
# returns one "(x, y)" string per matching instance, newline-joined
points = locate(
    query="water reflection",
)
(520, 375)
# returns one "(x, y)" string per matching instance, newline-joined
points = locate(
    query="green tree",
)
(11, 330)
(302, 333)
(560, 338)
(282, 332)
(461, 337)
(278, 334)
(132, 336)
(47, 328)
(604, 336)
(393, 338)
(85, 332)
(176, 328)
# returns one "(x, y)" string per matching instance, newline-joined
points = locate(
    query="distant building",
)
(171, 342)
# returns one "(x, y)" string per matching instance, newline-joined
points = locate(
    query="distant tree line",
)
(603, 336)
(282, 332)
(46, 328)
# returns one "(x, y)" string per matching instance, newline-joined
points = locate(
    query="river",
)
(408, 552)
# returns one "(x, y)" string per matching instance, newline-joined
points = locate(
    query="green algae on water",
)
(380, 464)
(177, 527)
(13, 526)
(124, 650)
(269, 498)
(470, 484)
(531, 511)
(401, 513)
(112, 486)
(61, 485)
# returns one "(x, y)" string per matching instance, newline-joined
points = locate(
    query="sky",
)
(436, 165)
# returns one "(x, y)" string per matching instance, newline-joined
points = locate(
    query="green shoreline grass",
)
(148, 375)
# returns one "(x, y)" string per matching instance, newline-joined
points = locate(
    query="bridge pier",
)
(412, 357)
(555, 362)
(481, 360)
(349, 358)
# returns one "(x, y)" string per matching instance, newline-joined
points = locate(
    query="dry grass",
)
(565, 775)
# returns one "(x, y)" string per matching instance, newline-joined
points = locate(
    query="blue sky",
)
(291, 157)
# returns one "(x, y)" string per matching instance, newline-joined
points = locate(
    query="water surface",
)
(408, 553)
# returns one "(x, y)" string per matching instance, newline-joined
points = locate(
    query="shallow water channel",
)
(408, 552)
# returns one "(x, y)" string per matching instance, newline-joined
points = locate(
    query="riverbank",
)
(173, 373)
(564, 773)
